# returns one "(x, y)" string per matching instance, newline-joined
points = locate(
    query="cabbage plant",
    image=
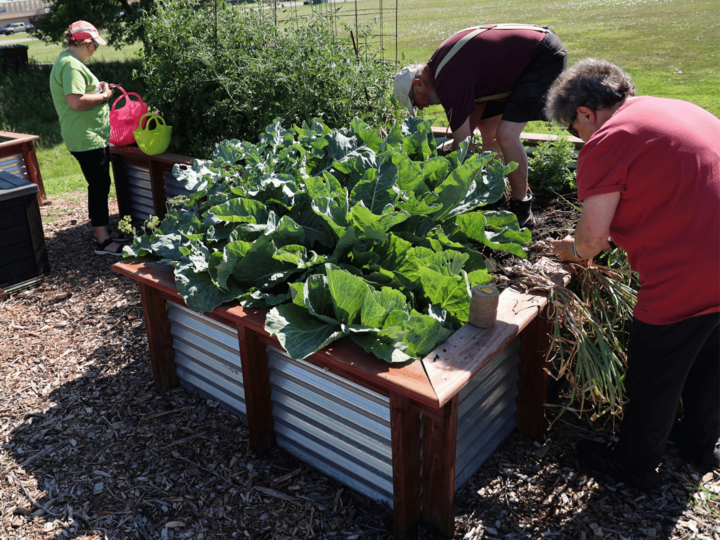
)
(339, 233)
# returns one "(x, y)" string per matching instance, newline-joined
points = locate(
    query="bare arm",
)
(592, 230)
(85, 102)
(461, 134)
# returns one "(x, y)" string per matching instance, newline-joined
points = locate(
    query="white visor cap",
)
(402, 86)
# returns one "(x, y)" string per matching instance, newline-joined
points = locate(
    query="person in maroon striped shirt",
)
(493, 78)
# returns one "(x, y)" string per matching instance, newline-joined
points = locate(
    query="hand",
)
(446, 146)
(563, 249)
(105, 90)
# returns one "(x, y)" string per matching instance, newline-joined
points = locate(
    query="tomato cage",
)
(371, 24)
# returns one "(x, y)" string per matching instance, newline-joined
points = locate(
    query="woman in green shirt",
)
(81, 103)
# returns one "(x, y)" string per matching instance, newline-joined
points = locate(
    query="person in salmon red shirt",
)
(492, 77)
(649, 179)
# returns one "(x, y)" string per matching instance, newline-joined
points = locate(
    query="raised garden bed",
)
(409, 435)
(143, 183)
(17, 157)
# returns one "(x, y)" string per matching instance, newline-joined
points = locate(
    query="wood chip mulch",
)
(89, 450)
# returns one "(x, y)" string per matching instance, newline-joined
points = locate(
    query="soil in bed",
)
(89, 450)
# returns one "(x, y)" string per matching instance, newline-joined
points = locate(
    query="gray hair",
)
(416, 69)
(592, 83)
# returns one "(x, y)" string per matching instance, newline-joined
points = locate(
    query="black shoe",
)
(523, 211)
(606, 459)
(121, 236)
(104, 249)
(702, 456)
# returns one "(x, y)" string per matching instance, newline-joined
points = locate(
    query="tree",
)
(118, 18)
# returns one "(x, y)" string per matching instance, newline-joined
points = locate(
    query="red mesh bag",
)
(124, 120)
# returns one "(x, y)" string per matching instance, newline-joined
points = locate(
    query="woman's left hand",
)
(563, 249)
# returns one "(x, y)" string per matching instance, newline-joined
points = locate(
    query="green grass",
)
(15, 37)
(42, 52)
(670, 47)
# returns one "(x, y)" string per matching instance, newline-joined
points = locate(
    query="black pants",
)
(665, 363)
(95, 165)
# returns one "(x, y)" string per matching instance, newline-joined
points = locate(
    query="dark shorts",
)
(527, 101)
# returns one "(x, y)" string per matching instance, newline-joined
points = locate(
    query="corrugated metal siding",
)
(486, 412)
(14, 165)
(334, 425)
(141, 199)
(207, 357)
(173, 187)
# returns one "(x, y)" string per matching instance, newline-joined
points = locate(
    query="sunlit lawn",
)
(42, 52)
(670, 47)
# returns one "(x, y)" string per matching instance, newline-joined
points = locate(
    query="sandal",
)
(102, 249)
(123, 237)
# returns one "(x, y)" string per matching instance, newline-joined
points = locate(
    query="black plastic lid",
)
(12, 186)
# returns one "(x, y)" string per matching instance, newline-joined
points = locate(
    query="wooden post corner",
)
(256, 382)
(533, 379)
(406, 443)
(157, 327)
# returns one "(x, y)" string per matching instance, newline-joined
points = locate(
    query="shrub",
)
(231, 85)
(549, 174)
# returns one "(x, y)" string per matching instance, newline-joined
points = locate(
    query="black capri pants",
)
(95, 165)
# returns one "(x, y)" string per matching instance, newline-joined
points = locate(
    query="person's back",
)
(664, 154)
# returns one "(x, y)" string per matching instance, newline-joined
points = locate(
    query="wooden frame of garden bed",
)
(27, 167)
(143, 182)
(423, 395)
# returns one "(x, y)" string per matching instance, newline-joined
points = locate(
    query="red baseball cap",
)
(84, 30)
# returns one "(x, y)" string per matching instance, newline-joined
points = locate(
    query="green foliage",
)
(117, 19)
(347, 233)
(549, 174)
(231, 85)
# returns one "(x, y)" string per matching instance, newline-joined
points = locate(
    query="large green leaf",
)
(393, 252)
(364, 219)
(262, 300)
(348, 293)
(428, 204)
(318, 299)
(502, 231)
(378, 304)
(300, 333)
(198, 289)
(366, 135)
(424, 334)
(388, 351)
(231, 255)
(334, 210)
(240, 211)
(450, 293)
(452, 192)
(375, 190)
(355, 165)
(316, 229)
(435, 170)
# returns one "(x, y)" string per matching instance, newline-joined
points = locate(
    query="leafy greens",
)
(339, 233)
